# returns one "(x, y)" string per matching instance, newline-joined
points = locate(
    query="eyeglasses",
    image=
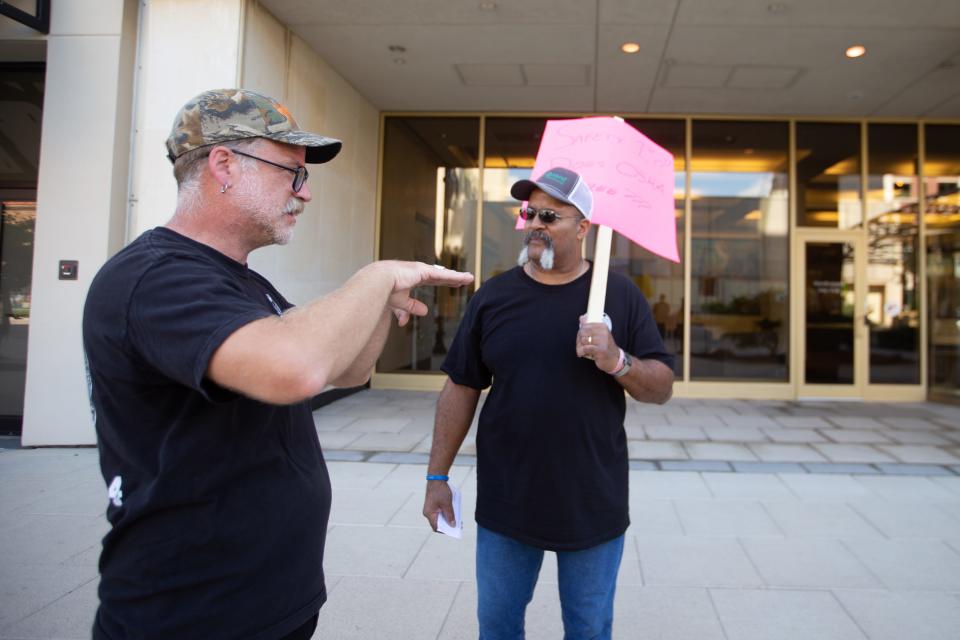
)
(300, 173)
(547, 216)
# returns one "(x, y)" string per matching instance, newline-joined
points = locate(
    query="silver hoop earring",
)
(223, 188)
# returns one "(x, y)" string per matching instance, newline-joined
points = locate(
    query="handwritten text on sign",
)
(631, 177)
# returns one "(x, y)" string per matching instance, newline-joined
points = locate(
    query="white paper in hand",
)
(456, 530)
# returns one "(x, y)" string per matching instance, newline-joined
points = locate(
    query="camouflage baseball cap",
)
(222, 115)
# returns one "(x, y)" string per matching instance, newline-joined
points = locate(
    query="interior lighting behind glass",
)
(856, 51)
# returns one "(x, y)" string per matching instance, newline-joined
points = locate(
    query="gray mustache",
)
(538, 235)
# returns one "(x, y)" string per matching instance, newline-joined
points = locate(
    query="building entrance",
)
(855, 336)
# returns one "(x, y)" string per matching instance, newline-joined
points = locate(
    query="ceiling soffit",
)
(696, 56)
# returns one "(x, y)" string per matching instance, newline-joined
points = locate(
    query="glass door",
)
(833, 330)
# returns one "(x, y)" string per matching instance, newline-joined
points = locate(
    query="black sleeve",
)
(464, 362)
(643, 339)
(181, 311)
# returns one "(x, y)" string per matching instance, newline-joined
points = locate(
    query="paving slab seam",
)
(48, 605)
(723, 466)
(446, 617)
(716, 613)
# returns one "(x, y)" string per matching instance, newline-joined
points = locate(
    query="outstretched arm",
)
(293, 357)
(361, 369)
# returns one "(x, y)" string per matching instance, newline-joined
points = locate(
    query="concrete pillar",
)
(186, 47)
(103, 175)
(81, 195)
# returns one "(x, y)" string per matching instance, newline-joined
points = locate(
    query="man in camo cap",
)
(201, 375)
(236, 114)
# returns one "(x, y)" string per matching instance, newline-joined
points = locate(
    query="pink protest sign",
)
(631, 177)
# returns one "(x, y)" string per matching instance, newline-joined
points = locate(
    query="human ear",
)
(222, 166)
(584, 227)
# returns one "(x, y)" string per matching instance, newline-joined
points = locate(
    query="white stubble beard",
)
(267, 219)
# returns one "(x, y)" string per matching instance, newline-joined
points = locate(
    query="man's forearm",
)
(287, 359)
(290, 358)
(455, 409)
(335, 330)
(648, 381)
(362, 367)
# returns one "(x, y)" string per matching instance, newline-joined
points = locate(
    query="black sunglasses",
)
(547, 216)
(300, 173)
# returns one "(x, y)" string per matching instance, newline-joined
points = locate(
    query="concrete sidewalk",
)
(725, 555)
(692, 435)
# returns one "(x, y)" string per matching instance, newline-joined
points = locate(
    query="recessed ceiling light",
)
(856, 51)
(630, 47)
(396, 48)
(488, 6)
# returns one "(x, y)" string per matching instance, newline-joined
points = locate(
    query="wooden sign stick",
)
(601, 266)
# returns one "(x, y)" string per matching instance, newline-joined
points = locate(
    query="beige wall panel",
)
(334, 236)
(186, 47)
(84, 17)
(264, 52)
(126, 78)
(73, 219)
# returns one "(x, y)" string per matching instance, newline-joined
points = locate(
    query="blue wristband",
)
(438, 477)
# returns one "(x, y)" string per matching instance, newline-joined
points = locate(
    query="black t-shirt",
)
(551, 447)
(218, 503)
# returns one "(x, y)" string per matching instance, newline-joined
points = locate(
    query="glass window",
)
(892, 311)
(429, 196)
(829, 319)
(739, 324)
(21, 106)
(828, 175)
(942, 217)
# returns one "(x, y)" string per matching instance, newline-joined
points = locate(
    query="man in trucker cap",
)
(201, 375)
(552, 467)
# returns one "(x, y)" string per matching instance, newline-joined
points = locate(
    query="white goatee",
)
(545, 261)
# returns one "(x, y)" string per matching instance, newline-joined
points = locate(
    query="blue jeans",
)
(507, 572)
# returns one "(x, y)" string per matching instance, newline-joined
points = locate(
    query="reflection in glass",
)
(942, 217)
(428, 213)
(892, 309)
(16, 249)
(21, 112)
(829, 296)
(739, 290)
(828, 175)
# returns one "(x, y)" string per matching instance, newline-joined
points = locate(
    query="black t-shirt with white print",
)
(218, 503)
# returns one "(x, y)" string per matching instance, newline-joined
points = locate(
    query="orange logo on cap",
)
(283, 110)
